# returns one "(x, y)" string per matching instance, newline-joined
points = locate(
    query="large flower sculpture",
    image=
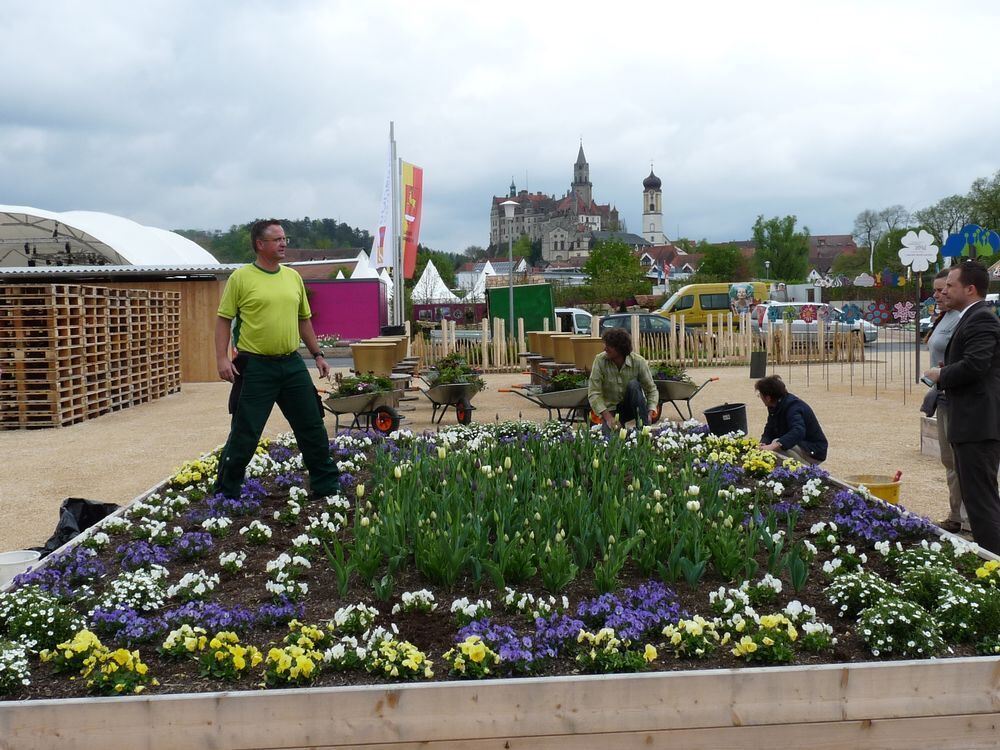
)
(852, 313)
(904, 312)
(878, 313)
(928, 307)
(918, 251)
(808, 313)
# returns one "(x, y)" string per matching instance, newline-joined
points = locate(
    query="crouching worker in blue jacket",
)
(792, 426)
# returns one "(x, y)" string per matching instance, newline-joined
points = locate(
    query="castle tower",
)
(652, 210)
(581, 179)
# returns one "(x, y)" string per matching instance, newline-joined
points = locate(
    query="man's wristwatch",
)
(318, 353)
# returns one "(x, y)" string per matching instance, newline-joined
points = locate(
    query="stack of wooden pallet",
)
(70, 352)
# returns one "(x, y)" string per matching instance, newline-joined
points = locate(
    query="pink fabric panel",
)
(350, 309)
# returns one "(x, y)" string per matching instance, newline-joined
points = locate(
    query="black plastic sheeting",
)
(75, 516)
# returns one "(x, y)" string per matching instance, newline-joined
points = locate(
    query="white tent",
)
(363, 269)
(118, 240)
(384, 275)
(340, 275)
(430, 289)
(478, 291)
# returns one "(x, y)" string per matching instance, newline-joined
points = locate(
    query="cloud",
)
(185, 114)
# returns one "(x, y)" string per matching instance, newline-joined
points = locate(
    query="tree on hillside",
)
(233, 246)
(721, 263)
(614, 273)
(944, 217)
(475, 252)
(787, 250)
(984, 202)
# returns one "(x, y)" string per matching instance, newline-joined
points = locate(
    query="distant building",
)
(565, 226)
(652, 210)
(468, 273)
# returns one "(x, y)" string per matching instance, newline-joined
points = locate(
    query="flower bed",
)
(491, 551)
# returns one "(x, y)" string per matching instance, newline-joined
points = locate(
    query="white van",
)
(574, 320)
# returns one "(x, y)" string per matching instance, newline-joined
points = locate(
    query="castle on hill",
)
(568, 227)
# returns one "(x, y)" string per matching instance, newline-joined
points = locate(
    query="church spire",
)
(581, 178)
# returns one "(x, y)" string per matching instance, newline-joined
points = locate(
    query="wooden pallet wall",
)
(70, 352)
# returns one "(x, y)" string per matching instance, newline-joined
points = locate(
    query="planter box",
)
(938, 704)
(934, 703)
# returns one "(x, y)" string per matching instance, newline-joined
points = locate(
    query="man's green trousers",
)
(284, 381)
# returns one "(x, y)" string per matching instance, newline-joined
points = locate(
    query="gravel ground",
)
(118, 456)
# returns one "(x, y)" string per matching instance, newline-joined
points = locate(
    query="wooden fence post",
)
(484, 341)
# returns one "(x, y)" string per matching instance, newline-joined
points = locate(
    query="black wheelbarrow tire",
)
(385, 419)
(463, 411)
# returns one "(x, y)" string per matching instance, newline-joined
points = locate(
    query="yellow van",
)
(697, 301)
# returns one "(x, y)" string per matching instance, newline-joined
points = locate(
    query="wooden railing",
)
(725, 340)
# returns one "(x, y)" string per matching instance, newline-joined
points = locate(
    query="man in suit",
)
(970, 378)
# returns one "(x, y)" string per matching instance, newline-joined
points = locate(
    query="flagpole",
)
(397, 264)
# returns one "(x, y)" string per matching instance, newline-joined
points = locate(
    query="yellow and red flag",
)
(412, 197)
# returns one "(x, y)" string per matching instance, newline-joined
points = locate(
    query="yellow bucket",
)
(882, 486)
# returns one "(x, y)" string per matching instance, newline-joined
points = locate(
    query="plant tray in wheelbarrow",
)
(452, 393)
(361, 402)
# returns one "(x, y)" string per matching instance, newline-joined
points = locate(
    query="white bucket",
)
(14, 563)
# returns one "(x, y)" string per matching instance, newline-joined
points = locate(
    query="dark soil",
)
(434, 632)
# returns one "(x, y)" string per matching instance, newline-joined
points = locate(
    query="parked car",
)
(762, 322)
(574, 320)
(697, 301)
(649, 323)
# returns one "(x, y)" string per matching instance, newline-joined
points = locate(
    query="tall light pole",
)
(508, 212)
(767, 270)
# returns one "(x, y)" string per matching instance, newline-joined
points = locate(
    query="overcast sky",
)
(207, 114)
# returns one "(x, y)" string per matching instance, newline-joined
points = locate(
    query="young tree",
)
(614, 273)
(785, 249)
(984, 202)
(522, 247)
(868, 230)
(894, 217)
(944, 217)
(721, 263)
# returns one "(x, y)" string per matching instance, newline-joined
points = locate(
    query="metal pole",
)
(510, 275)
(916, 329)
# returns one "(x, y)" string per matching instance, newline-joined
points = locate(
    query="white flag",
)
(382, 246)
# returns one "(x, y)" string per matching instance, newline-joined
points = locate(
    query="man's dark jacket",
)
(971, 377)
(792, 422)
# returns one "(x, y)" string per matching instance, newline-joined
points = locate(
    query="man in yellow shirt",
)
(620, 381)
(265, 311)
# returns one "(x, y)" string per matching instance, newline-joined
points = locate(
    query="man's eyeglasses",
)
(275, 239)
